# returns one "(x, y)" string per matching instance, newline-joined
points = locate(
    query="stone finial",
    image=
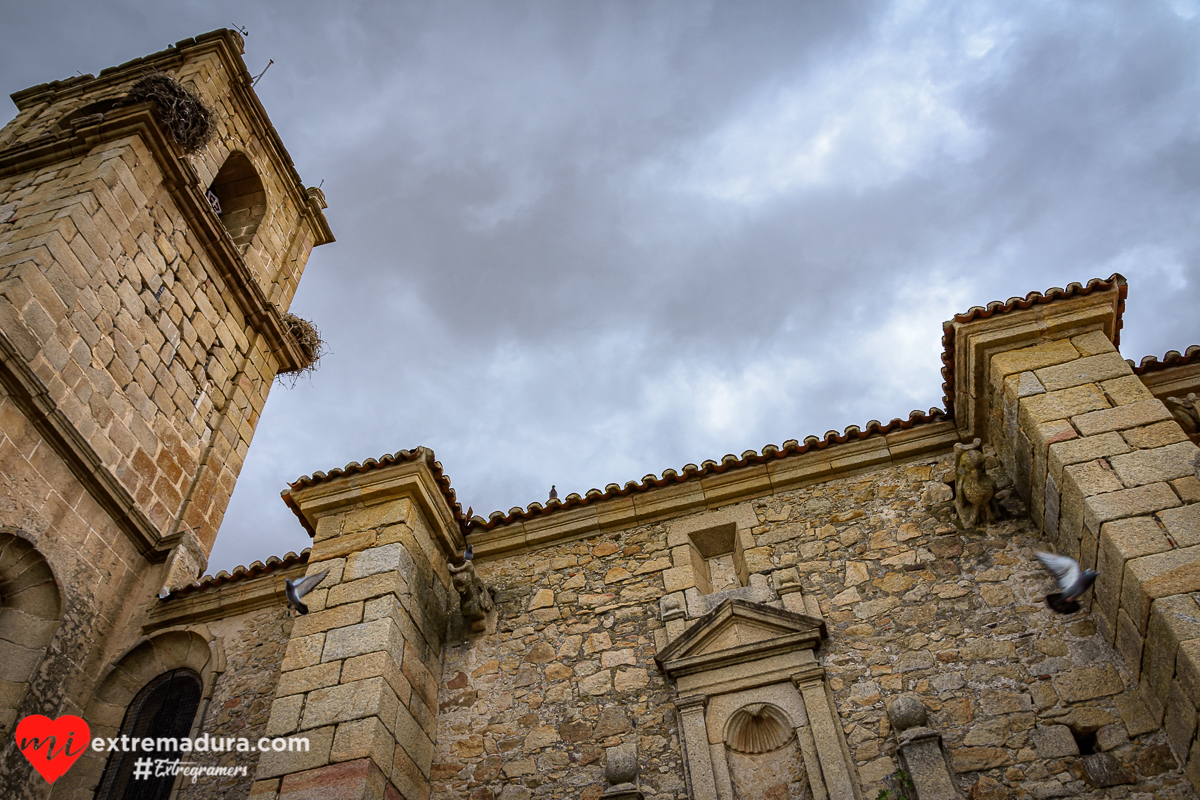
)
(920, 750)
(973, 488)
(906, 712)
(473, 596)
(317, 198)
(621, 772)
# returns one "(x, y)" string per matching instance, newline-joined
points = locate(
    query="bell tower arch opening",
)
(241, 198)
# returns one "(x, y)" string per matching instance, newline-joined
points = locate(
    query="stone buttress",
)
(1109, 474)
(361, 674)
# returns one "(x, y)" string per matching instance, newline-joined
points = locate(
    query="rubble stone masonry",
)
(913, 604)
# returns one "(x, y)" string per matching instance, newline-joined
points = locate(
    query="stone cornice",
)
(981, 337)
(413, 479)
(686, 654)
(222, 602)
(1173, 381)
(714, 491)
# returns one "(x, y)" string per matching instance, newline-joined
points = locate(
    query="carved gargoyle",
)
(473, 597)
(1186, 411)
(973, 488)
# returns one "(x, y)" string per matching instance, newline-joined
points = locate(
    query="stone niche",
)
(756, 715)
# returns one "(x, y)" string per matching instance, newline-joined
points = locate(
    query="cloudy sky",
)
(583, 242)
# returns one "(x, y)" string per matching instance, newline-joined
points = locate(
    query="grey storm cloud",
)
(579, 243)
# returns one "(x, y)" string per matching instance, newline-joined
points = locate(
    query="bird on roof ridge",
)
(553, 492)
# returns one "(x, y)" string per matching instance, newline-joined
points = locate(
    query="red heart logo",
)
(50, 744)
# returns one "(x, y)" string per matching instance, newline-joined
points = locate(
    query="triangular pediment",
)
(740, 630)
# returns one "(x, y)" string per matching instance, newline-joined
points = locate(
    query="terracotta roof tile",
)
(355, 468)
(1173, 358)
(240, 573)
(769, 452)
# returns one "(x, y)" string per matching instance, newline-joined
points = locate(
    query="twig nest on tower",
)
(181, 110)
(309, 338)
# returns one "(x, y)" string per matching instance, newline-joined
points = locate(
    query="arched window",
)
(163, 709)
(241, 198)
(30, 609)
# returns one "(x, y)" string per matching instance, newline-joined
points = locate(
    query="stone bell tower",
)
(153, 231)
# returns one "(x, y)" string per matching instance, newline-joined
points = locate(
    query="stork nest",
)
(182, 111)
(310, 341)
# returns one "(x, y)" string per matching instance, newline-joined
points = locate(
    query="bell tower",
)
(153, 231)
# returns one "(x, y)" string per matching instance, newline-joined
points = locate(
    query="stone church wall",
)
(913, 603)
(240, 706)
(529, 710)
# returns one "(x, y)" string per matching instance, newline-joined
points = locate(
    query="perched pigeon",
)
(295, 591)
(553, 492)
(1071, 579)
(469, 554)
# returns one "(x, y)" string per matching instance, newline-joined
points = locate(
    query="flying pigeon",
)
(1071, 579)
(553, 492)
(295, 591)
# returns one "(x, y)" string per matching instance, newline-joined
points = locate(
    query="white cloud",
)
(1185, 9)
(903, 350)
(860, 122)
(1154, 262)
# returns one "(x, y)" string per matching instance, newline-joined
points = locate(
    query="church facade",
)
(828, 618)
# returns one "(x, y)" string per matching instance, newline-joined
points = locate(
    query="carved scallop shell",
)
(758, 728)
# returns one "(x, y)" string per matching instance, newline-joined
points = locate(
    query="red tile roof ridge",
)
(240, 573)
(1116, 280)
(1172, 358)
(691, 471)
(419, 453)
